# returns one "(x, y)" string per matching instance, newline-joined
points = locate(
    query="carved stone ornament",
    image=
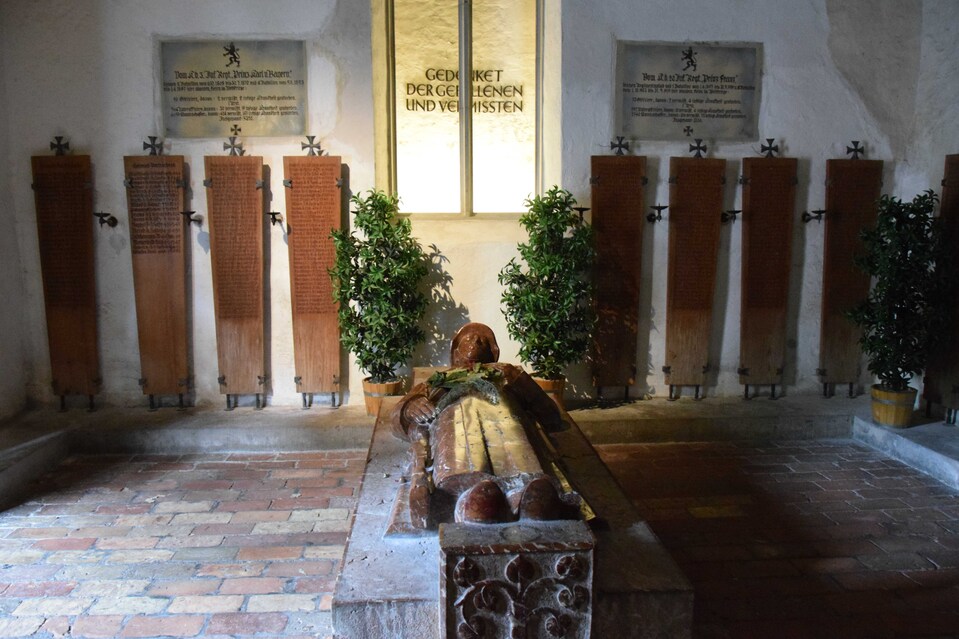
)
(519, 595)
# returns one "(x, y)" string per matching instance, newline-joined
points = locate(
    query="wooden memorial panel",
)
(235, 215)
(769, 203)
(852, 193)
(695, 214)
(155, 191)
(942, 374)
(63, 192)
(312, 211)
(618, 196)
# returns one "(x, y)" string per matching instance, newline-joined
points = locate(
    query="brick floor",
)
(227, 545)
(802, 539)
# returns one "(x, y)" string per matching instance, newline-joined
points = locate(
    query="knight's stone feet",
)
(484, 503)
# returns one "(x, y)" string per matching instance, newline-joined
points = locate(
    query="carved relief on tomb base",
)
(516, 581)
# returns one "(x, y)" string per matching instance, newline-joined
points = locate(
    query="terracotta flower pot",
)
(554, 388)
(892, 408)
(373, 394)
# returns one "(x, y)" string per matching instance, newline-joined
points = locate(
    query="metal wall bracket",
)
(817, 215)
(730, 215)
(105, 218)
(652, 218)
(667, 369)
(743, 180)
(275, 217)
(259, 184)
(190, 217)
(208, 182)
(221, 380)
(288, 183)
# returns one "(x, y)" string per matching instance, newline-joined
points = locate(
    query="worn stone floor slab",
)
(207, 545)
(805, 538)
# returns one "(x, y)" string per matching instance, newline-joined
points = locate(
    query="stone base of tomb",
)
(413, 585)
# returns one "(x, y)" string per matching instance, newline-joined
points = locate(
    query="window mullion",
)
(466, 105)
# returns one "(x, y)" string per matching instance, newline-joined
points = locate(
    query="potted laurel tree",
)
(548, 295)
(903, 314)
(376, 282)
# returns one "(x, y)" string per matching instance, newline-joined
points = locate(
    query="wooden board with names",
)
(695, 214)
(769, 203)
(63, 193)
(313, 200)
(155, 192)
(852, 192)
(617, 198)
(941, 383)
(235, 216)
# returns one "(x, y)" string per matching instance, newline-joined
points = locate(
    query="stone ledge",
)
(931, 448)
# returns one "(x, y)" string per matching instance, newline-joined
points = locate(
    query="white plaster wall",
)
(86, 70)
(12, 394)
(834, 70)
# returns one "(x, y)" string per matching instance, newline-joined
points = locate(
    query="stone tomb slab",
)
(235, 206)
(155, 201)
(852, 193)
(63, 191)
(617, 196)
(390, 587)
(313, 189)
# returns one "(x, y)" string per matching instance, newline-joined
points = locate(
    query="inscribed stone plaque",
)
(942, 373)
(155, 190)
(235, 215)
(695, 213)
(769, 202)
(312, 211)
(852, 192)
(617, 218)
(63, 192)
(209, 87)
(669, 91)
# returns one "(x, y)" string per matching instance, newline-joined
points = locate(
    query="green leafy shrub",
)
(376, 283)
(904, 312)
(547, 300)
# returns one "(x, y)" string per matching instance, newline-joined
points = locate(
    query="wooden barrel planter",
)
(373, 394)
(554, 388)
(892, 408)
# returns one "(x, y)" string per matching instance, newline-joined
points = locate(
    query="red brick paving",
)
(802, 539)
(178, 546)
